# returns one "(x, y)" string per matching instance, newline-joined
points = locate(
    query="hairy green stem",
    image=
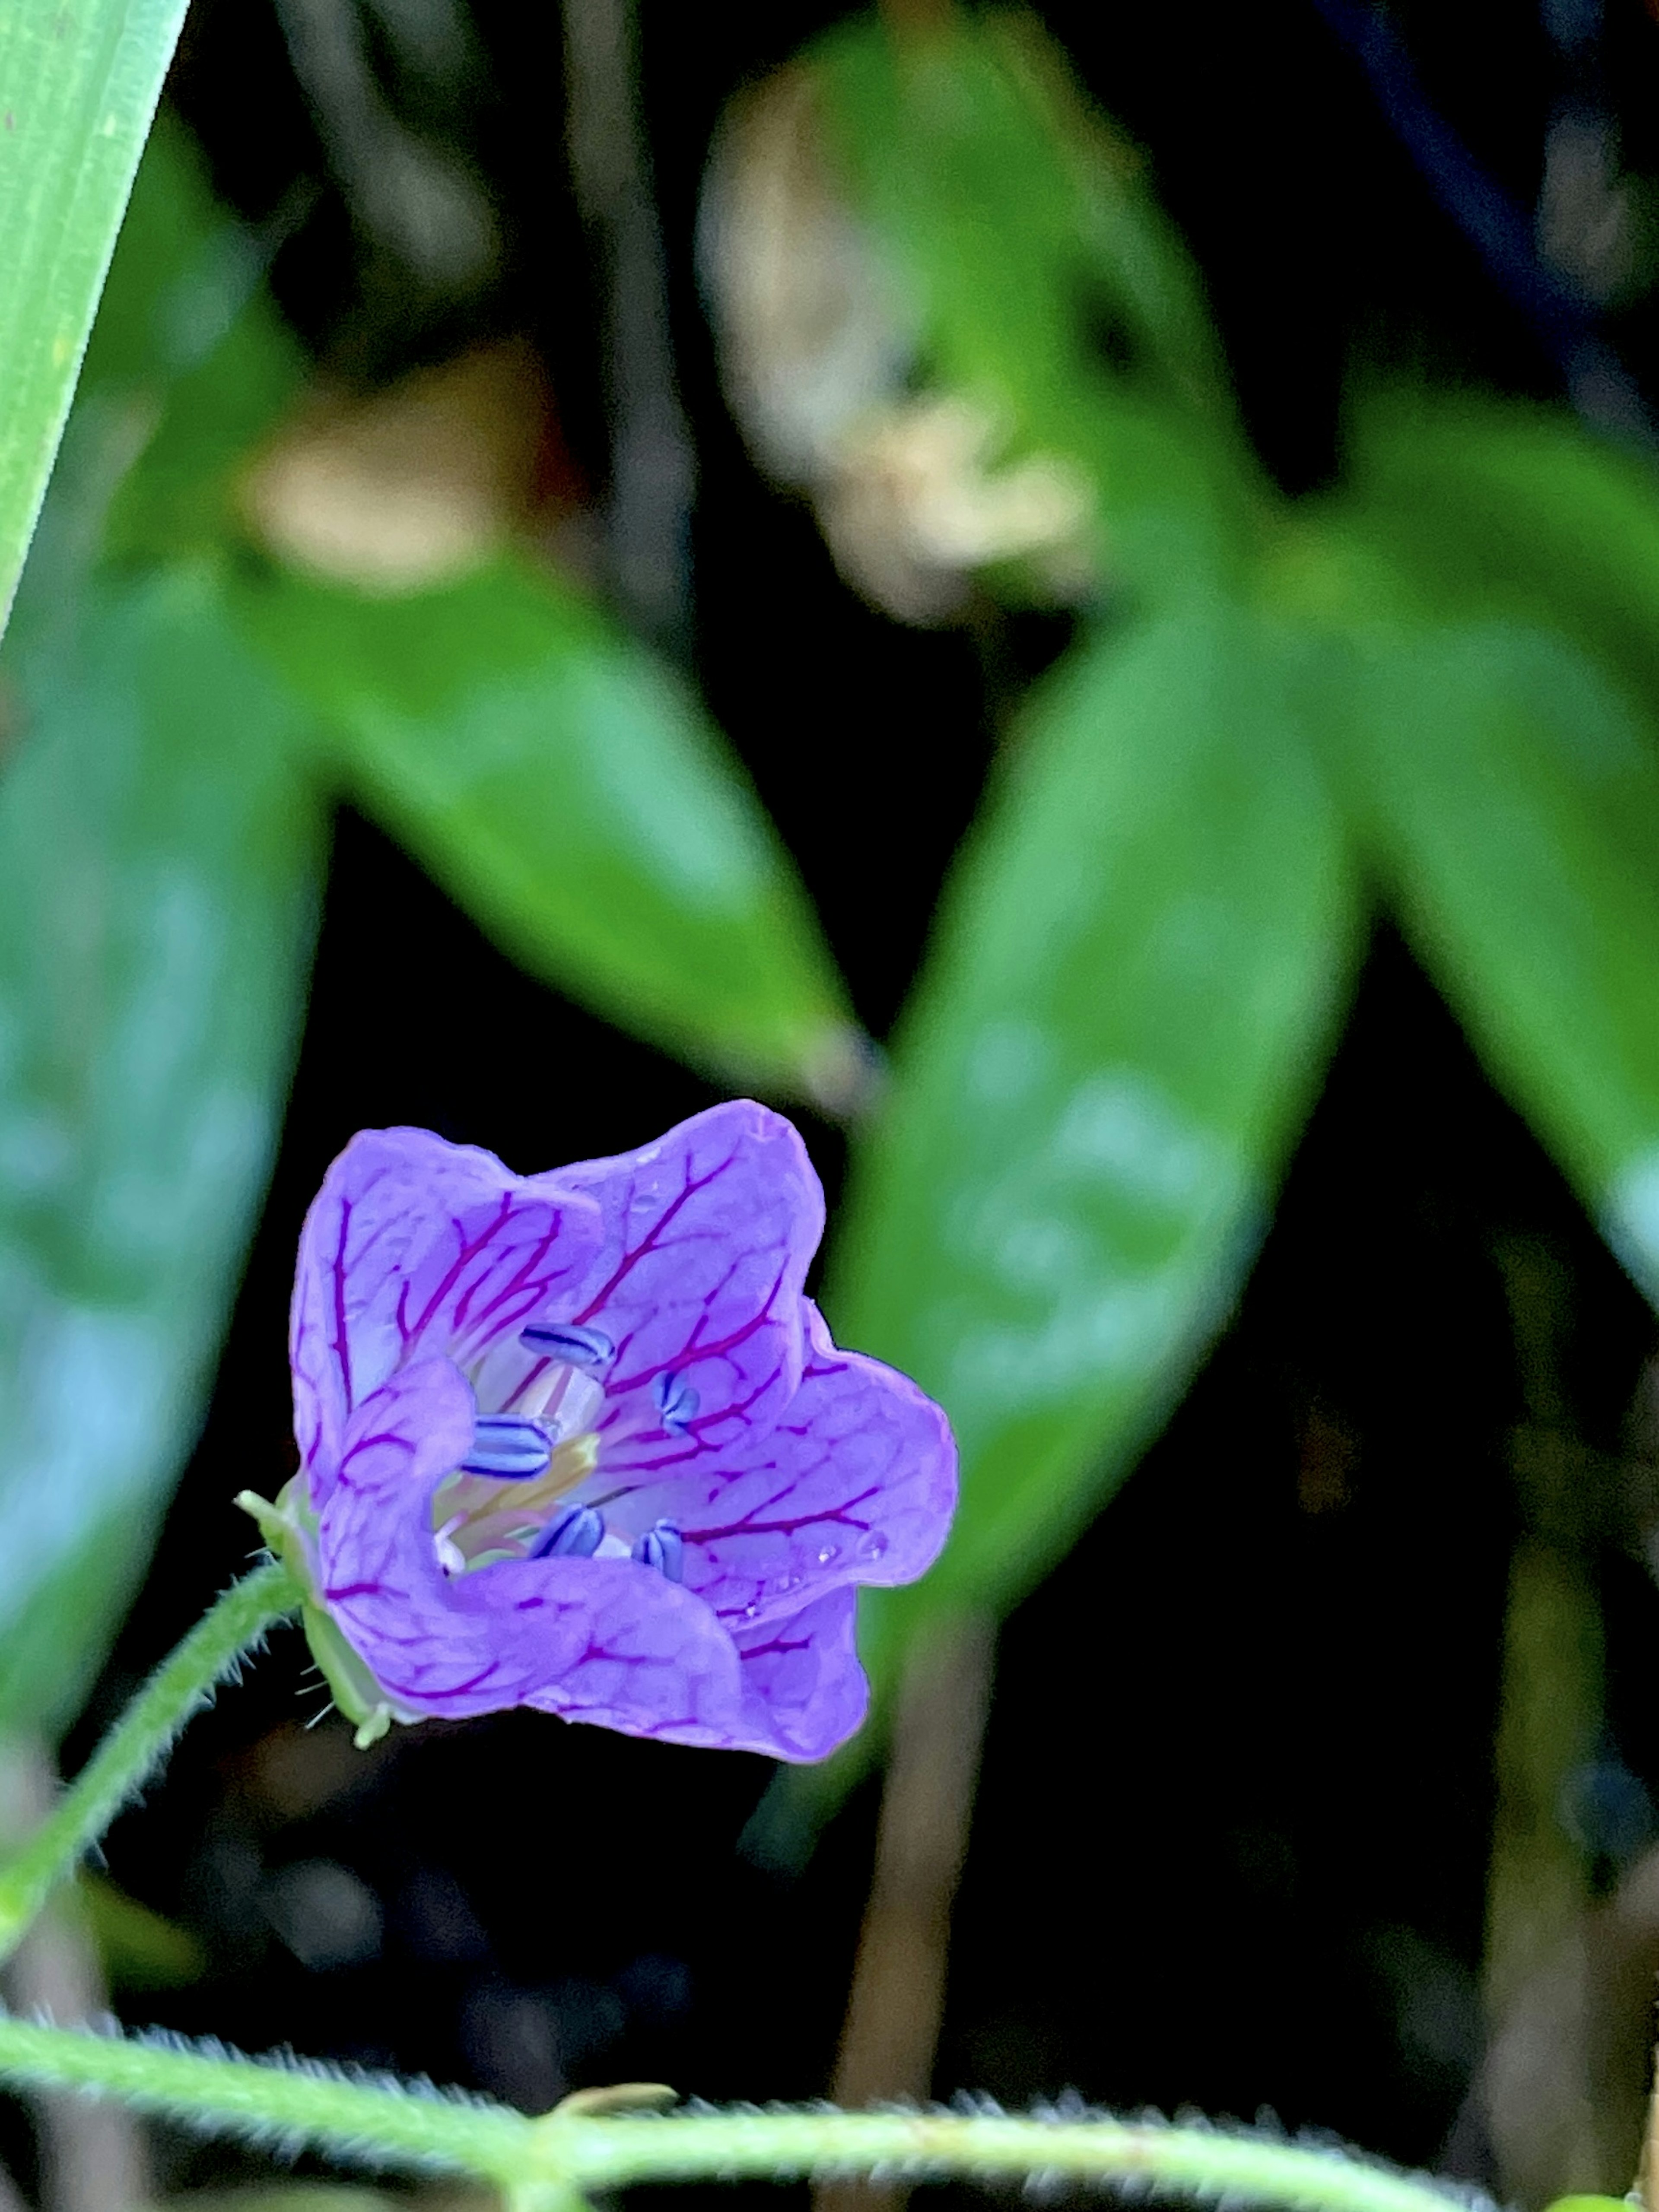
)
(1093, 2147)
(573, 2152)
(140, 1740)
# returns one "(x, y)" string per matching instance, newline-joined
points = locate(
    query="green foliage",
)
(159, 879)
(1464, 636)
(188, 356)
(137, 1950)
(1019, 233)
(158, 885)
(1137, 967)
(1495, 507)
(77, 89)
(567, 790)
(180, 713)
(1512, 795)
(1442, 676)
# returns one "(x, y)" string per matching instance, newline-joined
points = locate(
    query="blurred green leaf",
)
(1513, 797)
(1136, 972)
(1028, 245)
(158, 883)
(190, 347)
(569, 791)
(138, 1948)
(1499, 507)
(78, 87)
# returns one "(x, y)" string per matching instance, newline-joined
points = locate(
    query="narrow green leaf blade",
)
(567, 790)
(78, 87)
(1513, 794)
(1119, 1027)
(158, 886)
(187, 364)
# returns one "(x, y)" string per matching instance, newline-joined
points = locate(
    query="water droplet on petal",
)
(874, 1545)
(829, 1552)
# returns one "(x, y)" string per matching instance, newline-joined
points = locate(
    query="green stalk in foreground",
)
(140, 1740)
(78, 89)
(575, 2152)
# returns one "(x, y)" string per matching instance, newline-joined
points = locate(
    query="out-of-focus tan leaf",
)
(943, 295)
(412, 488)
(913, 491)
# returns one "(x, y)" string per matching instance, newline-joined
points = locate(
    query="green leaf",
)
(188, 342)
(78, 87)
(1513, 798)
(137, 1950)
(187, 365)
(1120, 1025)
(158, 885)
(1018, 229)
(567, 790)
(1495, 507)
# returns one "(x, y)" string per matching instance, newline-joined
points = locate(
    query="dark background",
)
(1231, 1834)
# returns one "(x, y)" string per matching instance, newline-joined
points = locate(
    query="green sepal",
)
(290, 1528)
(356, 1691)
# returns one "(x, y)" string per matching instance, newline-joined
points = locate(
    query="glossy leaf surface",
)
(1120, 1025)
(78, 87)
(158, 876)
(568, 791)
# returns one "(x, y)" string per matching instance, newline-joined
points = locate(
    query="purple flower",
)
(578, 1440)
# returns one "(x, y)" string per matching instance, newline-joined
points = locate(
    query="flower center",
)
(512, 1497)
(479, 1515)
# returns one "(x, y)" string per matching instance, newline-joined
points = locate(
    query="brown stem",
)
(94, 2157)
(897, 1998)
(653, 465)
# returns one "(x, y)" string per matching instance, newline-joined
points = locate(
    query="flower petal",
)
(804, 1685)
(436, 1646)
(654, 1662)
(708, 1234)
(594, 1639)
(414, 1247)
(854, 1482)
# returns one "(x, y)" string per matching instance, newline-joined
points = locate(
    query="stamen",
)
(568, 1340)
(451, 1558)
(664, 1548)
(677, 1401)
(576, 1534)
(508, 1447)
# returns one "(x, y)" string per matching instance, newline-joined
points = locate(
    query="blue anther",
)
(568, 1340)
(677, 1401)
(664, 1548)
(509, 1446)
(576, 1534)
